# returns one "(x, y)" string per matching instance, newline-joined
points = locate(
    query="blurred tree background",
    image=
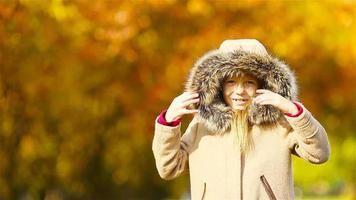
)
(81, 83)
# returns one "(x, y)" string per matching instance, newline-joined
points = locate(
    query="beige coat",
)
(220, 171)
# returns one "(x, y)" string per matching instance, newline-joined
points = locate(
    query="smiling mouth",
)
(240, 101)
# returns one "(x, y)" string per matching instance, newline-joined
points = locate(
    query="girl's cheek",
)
(227, 90)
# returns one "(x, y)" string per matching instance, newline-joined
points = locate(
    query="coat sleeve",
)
(308, 138)
(170, 150)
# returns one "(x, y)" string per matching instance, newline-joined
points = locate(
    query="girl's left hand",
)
(267, 97)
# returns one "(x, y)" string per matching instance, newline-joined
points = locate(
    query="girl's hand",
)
(267, 97)
(179, 105)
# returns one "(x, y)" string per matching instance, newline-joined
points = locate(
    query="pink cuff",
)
(300, 111)
(162, 120)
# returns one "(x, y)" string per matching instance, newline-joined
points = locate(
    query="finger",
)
(265, 95)
(189, 97)
(183, 96)
(188, 102)
(260, 94)
(265, 102)
(261, 91)
(186, 111)
(187, 93)
(262, 99)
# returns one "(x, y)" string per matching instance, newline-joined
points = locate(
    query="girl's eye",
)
(251, 82)
(230, 81)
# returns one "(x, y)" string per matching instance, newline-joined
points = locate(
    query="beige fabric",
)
(219, 171)
(248, 45)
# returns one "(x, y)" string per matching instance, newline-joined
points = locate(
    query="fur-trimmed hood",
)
(208, 73)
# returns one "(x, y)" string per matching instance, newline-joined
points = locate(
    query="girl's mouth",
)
(240, 101)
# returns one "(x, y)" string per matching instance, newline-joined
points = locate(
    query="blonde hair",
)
(240, 127)
(240, 131)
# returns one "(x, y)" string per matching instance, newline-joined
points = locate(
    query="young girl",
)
(247, 123)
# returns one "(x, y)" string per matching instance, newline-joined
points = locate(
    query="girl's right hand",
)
(179, 105)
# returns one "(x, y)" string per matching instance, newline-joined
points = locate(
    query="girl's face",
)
(239, 91)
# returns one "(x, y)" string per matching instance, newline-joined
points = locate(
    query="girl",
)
(247, 123)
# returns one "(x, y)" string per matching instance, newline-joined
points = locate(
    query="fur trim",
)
(208, 73)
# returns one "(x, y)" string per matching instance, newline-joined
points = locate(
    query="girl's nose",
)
(239, 88)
